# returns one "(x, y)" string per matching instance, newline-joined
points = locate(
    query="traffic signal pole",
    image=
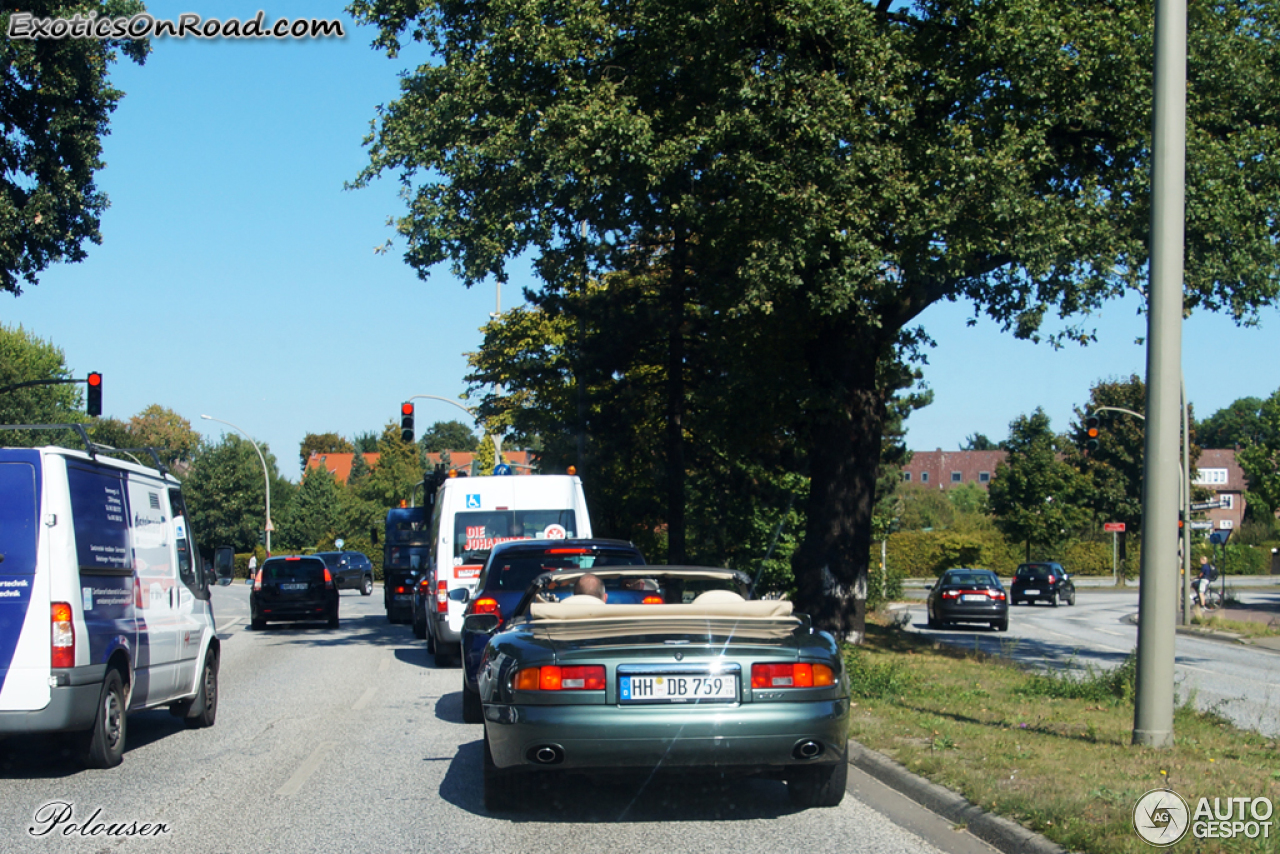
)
(1157, 603)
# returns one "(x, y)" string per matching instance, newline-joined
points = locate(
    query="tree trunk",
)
(675, 409)
(832, 563)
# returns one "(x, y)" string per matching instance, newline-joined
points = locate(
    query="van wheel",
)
(366, 588)
(204, 710)
(103, 745)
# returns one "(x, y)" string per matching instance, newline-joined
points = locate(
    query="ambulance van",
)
(104, 605)
(471, 514)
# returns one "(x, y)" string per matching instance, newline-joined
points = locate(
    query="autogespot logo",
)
(1161, 817)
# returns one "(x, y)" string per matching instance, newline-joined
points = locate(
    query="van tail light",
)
(63, 635)
(442, 597)
(328, 579)
(799, 675)
(486, 605)
(581, 677)
(257, 581)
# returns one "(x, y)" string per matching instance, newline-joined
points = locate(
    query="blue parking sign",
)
(473, 502)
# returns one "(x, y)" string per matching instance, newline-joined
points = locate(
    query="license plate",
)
(294, 586)
(1031, 592)
(683, 688)
(973, 597)
(404, 597)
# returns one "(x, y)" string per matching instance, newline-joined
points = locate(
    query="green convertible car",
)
(697, 678)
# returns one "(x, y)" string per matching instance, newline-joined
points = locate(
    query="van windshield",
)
(475, 533)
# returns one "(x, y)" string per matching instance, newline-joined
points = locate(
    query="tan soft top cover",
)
(760, 609)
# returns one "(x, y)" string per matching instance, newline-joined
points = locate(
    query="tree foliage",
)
(798, 181)
(448, 436)
(54, 109)
(1260, 459)
(166, 431)
(323, 443)
(23, 358)
(1237, 425)
(1034, 494)
(397, 473)
(226, 493)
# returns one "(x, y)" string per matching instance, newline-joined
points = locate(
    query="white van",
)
(104, 607)
(470, 515)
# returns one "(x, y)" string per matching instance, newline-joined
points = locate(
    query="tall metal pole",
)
(1157, 603)
(266, 477)
(1185, 546)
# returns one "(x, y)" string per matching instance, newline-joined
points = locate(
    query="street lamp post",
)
(266, 476)
(497, 440)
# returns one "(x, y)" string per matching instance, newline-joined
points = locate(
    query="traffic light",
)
(406, 422)
(1091, 425)
(94, 402)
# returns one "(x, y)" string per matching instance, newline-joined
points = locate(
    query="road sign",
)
(1204, 525)
(1113, 527)
(1208, 505)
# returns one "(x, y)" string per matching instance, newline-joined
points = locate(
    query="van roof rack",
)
(92, 448)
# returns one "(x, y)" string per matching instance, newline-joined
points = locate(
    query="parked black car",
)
(509, 570)
(1045, 581)
(350, 570)
(296, 587)
(968, 596)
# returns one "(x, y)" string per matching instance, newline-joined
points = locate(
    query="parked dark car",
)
(512, 567)
(296, 587)
(350, 570)
(968, 596)
(1045, 581)
(704, 682)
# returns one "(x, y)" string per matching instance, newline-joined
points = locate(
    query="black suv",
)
(1045, 581)
(297, 587)
(350, 570)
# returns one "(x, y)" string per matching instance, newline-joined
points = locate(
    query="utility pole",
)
(1153, 707)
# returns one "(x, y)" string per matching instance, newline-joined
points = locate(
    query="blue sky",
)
(237, 278)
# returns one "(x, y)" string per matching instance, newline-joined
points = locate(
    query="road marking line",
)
(364, 699)
(300, 777)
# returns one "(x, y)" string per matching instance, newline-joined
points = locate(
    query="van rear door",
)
(19, 531)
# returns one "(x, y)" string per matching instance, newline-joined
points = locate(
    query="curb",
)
(1218, 636)
(1006, 835)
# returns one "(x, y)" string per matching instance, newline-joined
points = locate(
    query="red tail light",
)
(486, 605)
(328, 579)
(800, 675)
(442, 597)
(1052, 579)
(582, 677)
(257, 581)
(63, 635)
(651, 600)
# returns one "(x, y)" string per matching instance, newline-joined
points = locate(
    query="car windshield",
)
(1033, 570)
(304, 569)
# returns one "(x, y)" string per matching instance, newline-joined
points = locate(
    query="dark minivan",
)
(296, 587)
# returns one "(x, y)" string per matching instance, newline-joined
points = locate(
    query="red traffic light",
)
(406, 409)
(93, 401)
(95, 378)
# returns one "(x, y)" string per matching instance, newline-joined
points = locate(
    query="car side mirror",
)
(224, 565)
(480, 624)
(458, 594)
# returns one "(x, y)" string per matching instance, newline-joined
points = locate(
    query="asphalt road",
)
(350, 740)
(1241, 682)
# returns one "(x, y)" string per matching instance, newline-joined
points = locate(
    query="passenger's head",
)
(590, 585)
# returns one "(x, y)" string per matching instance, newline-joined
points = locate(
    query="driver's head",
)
(590, 585)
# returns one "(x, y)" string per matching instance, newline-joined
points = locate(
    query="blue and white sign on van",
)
(473, 502)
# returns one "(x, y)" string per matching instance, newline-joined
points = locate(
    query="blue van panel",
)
(107, 595)
(19, 520)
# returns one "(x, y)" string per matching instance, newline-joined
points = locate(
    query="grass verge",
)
(1247, 628)
(1049, 751)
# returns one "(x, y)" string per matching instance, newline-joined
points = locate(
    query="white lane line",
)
(364, 699)
(304, 772)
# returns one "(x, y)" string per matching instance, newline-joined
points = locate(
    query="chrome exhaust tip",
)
(546, 754)
(808, 750)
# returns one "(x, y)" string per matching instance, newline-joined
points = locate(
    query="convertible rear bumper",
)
(750, 736)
